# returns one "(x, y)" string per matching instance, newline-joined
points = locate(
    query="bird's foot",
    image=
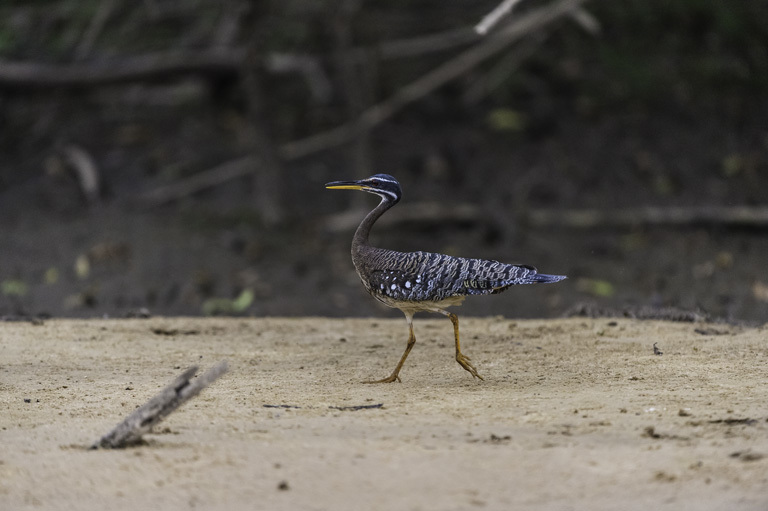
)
(464, 362)
(389, 379)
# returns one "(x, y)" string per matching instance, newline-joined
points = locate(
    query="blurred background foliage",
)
(639, 103)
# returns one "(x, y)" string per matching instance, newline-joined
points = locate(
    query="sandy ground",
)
(573, 414)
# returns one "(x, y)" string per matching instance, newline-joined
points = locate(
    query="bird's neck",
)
(364, 229)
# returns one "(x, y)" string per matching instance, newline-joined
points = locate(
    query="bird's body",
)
(425, 281)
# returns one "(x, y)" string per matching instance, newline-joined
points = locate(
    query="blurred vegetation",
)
(685, 56)
(647, 51)
(689, 54)
(688, 49)
(663, 105)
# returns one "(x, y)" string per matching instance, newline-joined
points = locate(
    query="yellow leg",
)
(411, 341)
(462, 359)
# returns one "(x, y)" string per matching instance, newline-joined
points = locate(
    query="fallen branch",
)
(674, 216)
(144, 418)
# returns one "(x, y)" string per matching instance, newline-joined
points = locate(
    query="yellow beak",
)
(344, 185)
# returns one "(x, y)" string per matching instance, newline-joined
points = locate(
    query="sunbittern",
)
(423, 281)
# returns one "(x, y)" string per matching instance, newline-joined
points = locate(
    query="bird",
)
(424, 281)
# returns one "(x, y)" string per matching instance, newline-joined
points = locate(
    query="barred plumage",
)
(419, 276)
(425, 281)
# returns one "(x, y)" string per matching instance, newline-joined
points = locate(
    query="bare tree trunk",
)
(267, 181)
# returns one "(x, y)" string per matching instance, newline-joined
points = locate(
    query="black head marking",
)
(383, 185)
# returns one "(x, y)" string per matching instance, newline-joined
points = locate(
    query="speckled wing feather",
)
(419, 276)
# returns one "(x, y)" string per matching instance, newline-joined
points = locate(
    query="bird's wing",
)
(421, 276)
(482, 276)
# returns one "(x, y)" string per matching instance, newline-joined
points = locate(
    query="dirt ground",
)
(573, 414)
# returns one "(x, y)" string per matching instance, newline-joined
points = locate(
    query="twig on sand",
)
(144, 418)
(356, 407)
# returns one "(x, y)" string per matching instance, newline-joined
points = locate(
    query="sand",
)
(573, 414)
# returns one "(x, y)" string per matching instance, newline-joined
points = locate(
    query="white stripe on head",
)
(384, 194)
(385, 177)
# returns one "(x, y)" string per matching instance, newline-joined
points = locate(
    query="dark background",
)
(655, 116)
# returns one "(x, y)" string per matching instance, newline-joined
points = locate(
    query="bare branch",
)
(421, 45)
(85, 169)
(151, 67)
(493, 17)
(380, 112)
(213, 62)
(502, 70)
(230, 61)
(216, 62)
(144, 418)
(427, 83)
(95, 28)
(586, 21)
(220, 174)
(466, 61)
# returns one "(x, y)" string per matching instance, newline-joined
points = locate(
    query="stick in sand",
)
(144, 418)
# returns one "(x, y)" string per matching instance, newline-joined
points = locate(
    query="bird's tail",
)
(541, 278)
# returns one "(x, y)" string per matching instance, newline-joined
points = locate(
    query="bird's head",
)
(383, 185)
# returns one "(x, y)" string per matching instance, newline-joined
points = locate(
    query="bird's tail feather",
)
(541, 278)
